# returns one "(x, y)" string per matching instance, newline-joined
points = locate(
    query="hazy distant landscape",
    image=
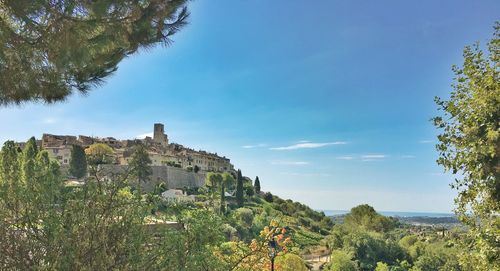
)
(392, 213)
(448, 221)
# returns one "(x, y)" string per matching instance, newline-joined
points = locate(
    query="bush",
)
(268, 197)
(244, 216)
(382, 267)
(290, 262)
(341, 261)
(229, 232)
(173, 164)
(249, 191)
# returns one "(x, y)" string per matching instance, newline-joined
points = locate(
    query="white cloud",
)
(290, 163)
(373, 157)
(425, 141)
(142, 136)
(344, 157)
(307, 145)
(254, 146)
(49, 120)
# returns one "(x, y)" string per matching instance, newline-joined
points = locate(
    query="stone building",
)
(59, 147)
(161, 152)
(159, 135)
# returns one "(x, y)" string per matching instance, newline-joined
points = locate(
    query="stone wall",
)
(176, 177)
(173, 177)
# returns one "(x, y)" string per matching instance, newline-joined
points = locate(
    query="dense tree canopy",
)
(103, 224)
(228, 181)
(48, 49)
(469, 146)
(78, 163)
(213, 180)
(99, 153)
(366, 217)
(290, 262)
(358, 247)
(341, 261)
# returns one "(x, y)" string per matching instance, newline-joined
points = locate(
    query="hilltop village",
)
(161, 152)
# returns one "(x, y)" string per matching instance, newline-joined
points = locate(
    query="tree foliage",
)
(341, 261)
(239, 189)
(100, 225)
(365, 216)
(290, 262)
(222, 207)
(228, 180)
(217, 182)
(240, 256)
(268, 197)
(191, 248)
(52, 227)
(28, 161)
(397, 249)
(382, 267)
(140, 164)
(257, 185)
(469, 146)
(99, 153)
(51, 48)
(78, 162)
(213, 180)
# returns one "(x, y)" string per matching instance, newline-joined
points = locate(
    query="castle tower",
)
(159, 135)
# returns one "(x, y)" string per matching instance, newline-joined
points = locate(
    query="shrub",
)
(268, 197)
(341, 261)
(245, 216)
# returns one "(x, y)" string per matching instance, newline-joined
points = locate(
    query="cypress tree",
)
(227, 181)
(222, 199)
(28, 160)
(257, 185)
(140, 164)
(78, 163)
(46, 188)
(239, 189)
(9, 165)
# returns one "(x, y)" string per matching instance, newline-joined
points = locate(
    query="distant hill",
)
(430, 221)
(442, 221)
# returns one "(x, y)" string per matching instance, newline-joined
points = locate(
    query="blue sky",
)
(328, 102)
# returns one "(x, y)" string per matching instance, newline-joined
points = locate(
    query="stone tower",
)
(159, 135)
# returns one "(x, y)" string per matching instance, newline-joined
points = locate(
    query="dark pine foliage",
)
(239, 189)
(257, 185)
(78, 163)
(140, 163)
(49, 49)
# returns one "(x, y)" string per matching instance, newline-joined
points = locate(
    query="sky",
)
(328, 102)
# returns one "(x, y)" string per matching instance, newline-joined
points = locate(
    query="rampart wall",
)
(173, 177)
